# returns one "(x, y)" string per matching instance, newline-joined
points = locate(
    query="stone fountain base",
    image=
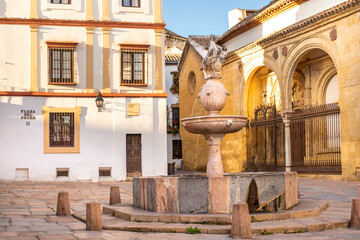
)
(201, 194)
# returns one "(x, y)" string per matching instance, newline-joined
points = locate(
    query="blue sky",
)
(203, 17)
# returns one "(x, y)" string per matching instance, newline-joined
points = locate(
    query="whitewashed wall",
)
(171, 99)
(14, 58)
(77, 10)
(102, 138)
(281, 21)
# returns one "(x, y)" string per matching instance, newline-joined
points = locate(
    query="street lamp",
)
(99, 101)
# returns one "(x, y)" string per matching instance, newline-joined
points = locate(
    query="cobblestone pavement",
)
(27, 211)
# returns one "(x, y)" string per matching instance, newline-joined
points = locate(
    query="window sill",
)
(130, 10)
(60, 84)
(134, 84)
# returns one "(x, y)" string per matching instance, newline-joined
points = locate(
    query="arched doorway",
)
(265, 132)
(315, 119)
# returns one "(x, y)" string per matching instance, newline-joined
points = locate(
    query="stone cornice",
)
(256, 19)
(81, 23)
(313, 20)
(82, 95)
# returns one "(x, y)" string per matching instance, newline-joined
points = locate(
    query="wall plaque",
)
(27, 115)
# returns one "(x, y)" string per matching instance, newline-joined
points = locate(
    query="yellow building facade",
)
(307, 62)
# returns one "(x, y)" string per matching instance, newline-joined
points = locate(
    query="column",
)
(105, 10)
(158, 61)
(286, 120)
(34, 58)
(34, 9)
(89, 60)
(214, 166)
(89, 10)
(307, 90)
(106, 60)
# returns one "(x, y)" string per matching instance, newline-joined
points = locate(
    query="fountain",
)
(213, 97)
(215, 192)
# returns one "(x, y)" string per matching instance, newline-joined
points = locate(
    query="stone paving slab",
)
(33, 197)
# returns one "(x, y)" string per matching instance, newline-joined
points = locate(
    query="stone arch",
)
(292, 61)
(326, 75)
(249, 69)
(252, 197)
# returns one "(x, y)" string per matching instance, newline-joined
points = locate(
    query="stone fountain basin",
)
(214, 124)
(201, 194)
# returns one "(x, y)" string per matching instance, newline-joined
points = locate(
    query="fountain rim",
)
(217, 117)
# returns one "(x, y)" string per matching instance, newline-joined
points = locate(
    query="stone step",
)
(300, 225)
(305, 209)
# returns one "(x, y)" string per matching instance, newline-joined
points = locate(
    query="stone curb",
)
(258, 228)
(305, 209)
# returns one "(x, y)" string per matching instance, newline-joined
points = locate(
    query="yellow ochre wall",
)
(344, 52)
(195, 148)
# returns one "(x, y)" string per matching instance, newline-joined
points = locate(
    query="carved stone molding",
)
(284, 51)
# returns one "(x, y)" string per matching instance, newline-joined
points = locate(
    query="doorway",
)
(133, 154)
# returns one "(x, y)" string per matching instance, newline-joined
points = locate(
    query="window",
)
(131, 3)
(61, 1)
(134, 65)
(61, 130)
(175, 116)
(177, 149)
(61, 63)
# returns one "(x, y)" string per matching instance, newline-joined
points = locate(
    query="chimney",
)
(235, 16)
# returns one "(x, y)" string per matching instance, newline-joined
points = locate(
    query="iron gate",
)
(265, 145)
(315, 140)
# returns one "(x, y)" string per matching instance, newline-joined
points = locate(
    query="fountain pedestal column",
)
(214, 166)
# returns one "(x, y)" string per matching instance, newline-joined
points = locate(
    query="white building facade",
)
(174, 45)
(56, 55)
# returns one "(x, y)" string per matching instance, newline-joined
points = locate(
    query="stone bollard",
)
(115, 195)
(93, 216)
(240, 224)
(355, 213)
(63, 204)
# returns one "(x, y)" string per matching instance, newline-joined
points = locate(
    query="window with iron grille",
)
(61, 1)
(177, 149)
(134, 66)
(61, 132)
(61, 65)
(175, 117)
(105, 172)
(131, 3)
(62, 172)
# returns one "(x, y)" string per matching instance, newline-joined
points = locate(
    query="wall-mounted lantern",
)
(99, 101)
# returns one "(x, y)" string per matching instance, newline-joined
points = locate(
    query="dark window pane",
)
(177, 149)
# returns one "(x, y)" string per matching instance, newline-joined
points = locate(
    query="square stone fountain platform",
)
(201, 194)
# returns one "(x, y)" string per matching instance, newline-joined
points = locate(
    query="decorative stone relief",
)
(284, 51)
(333, 34)
(213, 60)
(276, 54)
